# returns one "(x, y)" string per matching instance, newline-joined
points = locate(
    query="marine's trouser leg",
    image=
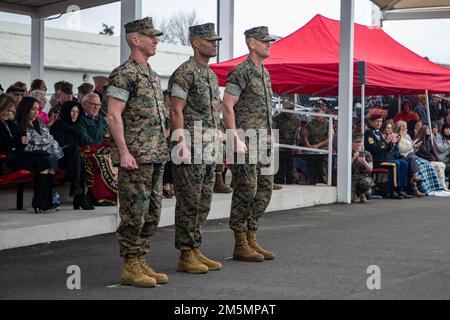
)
(140, 208)
(251, 196)
(193, 185)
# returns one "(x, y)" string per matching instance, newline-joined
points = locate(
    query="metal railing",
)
(329, 152)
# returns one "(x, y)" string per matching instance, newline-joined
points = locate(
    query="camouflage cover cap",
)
(85, 88)
(66, 87)
(259, 33)
(205, 31)
(318, 108)
(357, 137)
(143, 26)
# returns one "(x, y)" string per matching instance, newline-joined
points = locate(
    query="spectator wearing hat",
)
(17, 93)
(83, 90)
(63, 93)
(437, 111)
(385, 155)
(38, 84)
(421, 109)
(55, 95)
(410, 117)
(101, 84)
(23, 86)
(362, 165)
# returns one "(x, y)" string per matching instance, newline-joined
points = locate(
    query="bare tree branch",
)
(176, 29)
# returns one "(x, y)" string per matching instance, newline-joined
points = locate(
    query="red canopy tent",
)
(307, 61)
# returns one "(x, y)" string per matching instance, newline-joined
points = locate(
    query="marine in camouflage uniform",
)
(250, 86)
(195, 88)
(287, 124)
(362, 181)
(143, 118)
(316, 135)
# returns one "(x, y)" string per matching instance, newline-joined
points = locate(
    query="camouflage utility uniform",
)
(251, 189)
(361, 178)
(287, 124)
(317, 131)
(193, 183)
(144, 122)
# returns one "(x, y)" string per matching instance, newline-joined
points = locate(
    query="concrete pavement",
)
(322, 252)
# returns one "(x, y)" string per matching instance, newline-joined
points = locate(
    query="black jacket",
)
(9, 139)
(64, 130)
(426, 151)
(375, 143)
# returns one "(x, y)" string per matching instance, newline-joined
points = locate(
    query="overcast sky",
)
(429, 38)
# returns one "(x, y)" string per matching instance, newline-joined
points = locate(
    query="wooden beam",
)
(17, 8)
(61, 6)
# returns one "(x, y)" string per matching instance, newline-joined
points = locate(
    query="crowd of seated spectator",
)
(414, 155)
(72, 137)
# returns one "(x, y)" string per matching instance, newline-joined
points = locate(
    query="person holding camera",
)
(362, 165)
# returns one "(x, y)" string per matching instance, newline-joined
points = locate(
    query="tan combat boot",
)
(276, 187)
(189, 263)
(414, 188)
(211, 264)
(133, 275)
(160, 278)
(220, 186)
(251, 238)
(242, 251)
(363, 198)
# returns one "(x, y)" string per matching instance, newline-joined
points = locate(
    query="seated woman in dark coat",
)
(64, 131)
(13, 144)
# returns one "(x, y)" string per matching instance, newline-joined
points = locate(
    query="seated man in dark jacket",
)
(92, 126)
(94, 139)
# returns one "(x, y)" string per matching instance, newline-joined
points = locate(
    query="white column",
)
(363, 108)
(330, 151)
(428, 111)
(376, 16)
(344, 169)
(129, 10)
(225, 27)
(37, 48)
